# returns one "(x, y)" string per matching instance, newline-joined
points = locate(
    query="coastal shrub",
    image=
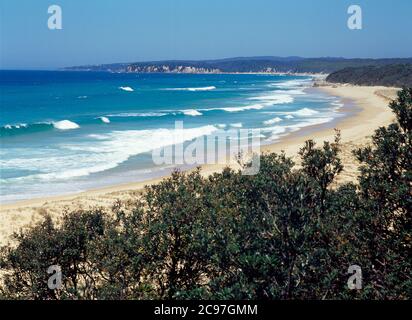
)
(386, 196)
(47, 244)
(287, 232)
(98, 255)
(175, 234)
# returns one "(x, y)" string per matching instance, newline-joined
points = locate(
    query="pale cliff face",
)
(168, 69)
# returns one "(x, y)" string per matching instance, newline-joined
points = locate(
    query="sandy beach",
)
(367, 109)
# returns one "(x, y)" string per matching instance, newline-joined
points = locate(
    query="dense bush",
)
(283, 233)
(395, 75)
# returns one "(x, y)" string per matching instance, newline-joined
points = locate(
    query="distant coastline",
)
(303, 74)
(268, 65)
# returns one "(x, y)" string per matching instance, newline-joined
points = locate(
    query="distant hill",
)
(395, 75)
(244, 64)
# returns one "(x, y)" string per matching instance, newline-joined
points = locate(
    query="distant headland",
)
(266, 64)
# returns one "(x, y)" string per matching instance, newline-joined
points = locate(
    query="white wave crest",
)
(128, 89)
(104, 119)
(274, 98)
(65, 125)
(138, 114)
(275, 132)
(15, 126)
(193, 89)
(236, 109)
(305, 112)
(272, 121)
(292, 91)
(310, 122)
(236, 125)
(191, 112)
(292, 84)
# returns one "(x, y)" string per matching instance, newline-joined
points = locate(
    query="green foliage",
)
(390, 75)
(284, 233)
(386, 195)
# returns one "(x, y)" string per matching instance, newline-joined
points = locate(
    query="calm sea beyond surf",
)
(64, 132)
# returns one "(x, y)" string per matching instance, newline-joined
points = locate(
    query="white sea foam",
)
(305, 112)
(97, 136)
(65, 125)
(310, 122)
(129, 89)
(191, 112)
(221, 125)
(292, 84)
(236, 109)
(337, 105)
(138, 114)
(244, 108)
(272, 121)
(188, 112)
(236, 125)
(15, 126)
(296, 92)
(274, 98)
(100, 153)
(192, 89)
(104, 119)
(275, 132)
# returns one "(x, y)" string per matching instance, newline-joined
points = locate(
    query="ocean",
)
(64, 132)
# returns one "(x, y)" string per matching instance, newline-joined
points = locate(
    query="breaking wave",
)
(128, 89)
(104, 119)
(191, 112)
(13, 129)
(137, 114)
(104, 152)
(305, 112)
(272, 121)
(192, 89)
(65, 125)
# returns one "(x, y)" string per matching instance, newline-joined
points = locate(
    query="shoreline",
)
(355, 127)
(302, 74)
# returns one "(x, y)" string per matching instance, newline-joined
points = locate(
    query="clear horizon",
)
(104, 32)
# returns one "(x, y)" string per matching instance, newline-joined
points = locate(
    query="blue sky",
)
(105, 31)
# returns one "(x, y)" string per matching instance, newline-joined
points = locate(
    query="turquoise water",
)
(64, 132)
